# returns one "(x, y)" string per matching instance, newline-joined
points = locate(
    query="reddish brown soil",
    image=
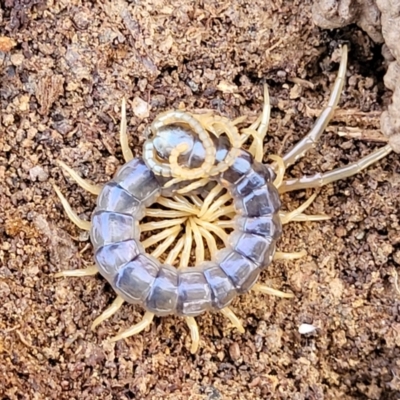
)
(64, 69)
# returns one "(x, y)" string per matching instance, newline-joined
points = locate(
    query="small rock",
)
(38, 173)
(141, 109)
(306, 328)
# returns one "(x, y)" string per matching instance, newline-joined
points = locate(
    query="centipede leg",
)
(292, 214)
(78, 272)
(256, 148)
(322, 121)
(235, 321)
(162, 247)
(319, 180)
(84, 184)
(80, 223)
(305, 217)
(279, 169)
(135, 329)
(123, 137)
(115, 306)
(194, 333)
(268, 290)
(289, 256)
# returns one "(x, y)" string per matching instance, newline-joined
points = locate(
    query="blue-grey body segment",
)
(162, 289)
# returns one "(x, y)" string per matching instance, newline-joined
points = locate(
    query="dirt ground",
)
(64, 69)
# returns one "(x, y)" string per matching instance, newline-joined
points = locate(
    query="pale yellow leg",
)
(256, 147)
(197, 201)
(224, 224)
(162, 247)
(115, 306)
(123, 137)
(267, 290)
(135, 329)
(80, 223)
(279, 169)
(199, 250)
(235, 321)
(213, 228)
(220, 212)
(78, 272)
(216, 205)
(215, 191)
(157, 213)
(239, 120)
(154, 225)
(185, 255)
(211, 243)
(160, 236)
(174, 253)
(292, 214)
(305, 217)
(169, 203)
(289, 256)
(195, 185)
(91, 188)
(194, 333)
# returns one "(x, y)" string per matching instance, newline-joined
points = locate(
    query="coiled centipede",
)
(188, 162)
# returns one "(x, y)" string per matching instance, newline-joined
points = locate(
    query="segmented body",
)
(198, 155)
(162, 289)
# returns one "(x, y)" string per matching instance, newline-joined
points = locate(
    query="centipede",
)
(191, 224)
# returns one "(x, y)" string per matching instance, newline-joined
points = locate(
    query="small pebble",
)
(306, 328)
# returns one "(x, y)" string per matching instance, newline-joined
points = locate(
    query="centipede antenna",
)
(123, 137)
(194, 333)
(84, 184)
(115, 306)
(273, 292)
(235, 321)
(78, 272)
(135, 329)
(80, 223)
